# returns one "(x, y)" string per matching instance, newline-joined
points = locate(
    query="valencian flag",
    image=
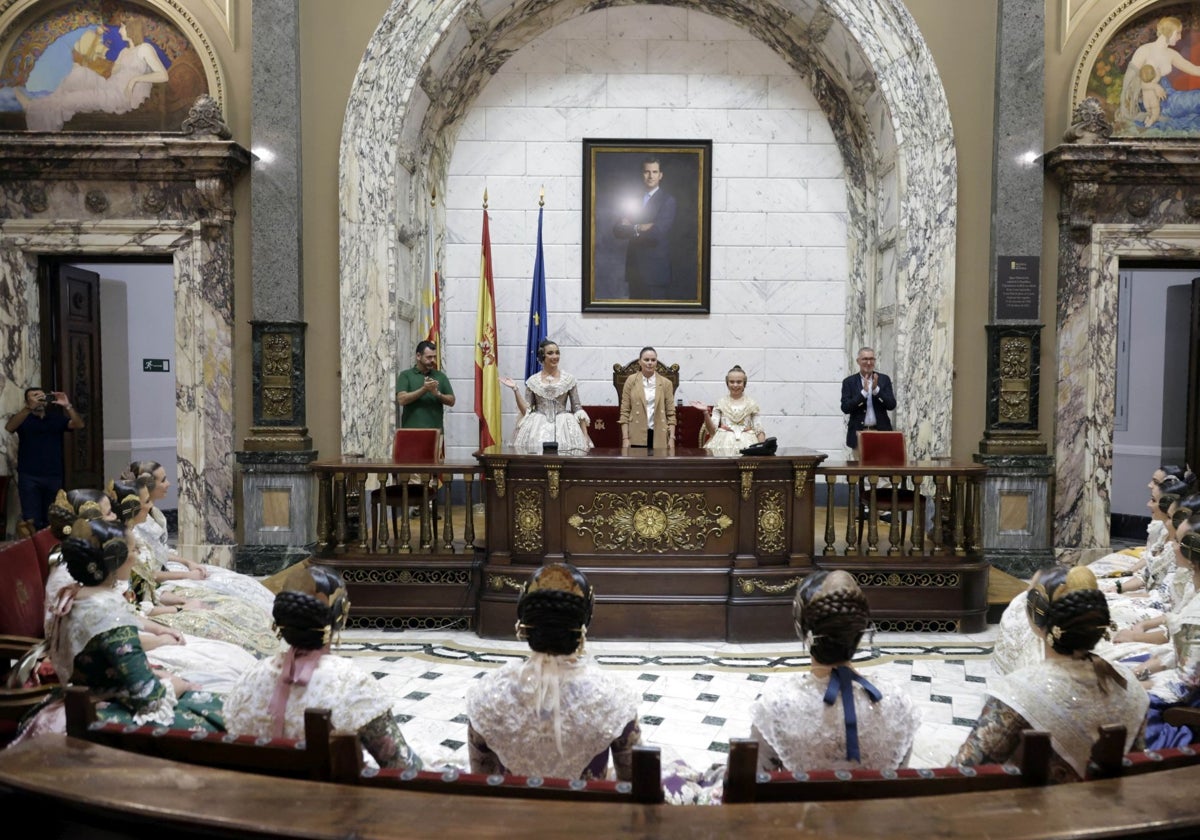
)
(487, 374)
(429, 322)
(537, 303)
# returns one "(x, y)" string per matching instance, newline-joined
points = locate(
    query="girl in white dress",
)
(831, 718)
(733, 423)
(550, 408)
(271, 698)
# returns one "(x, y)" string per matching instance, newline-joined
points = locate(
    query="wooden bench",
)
(308, 758)
(645, 787)
(744, 782)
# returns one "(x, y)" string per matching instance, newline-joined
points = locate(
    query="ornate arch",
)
(867, 65)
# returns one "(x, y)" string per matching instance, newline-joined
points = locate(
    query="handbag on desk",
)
(764, 447)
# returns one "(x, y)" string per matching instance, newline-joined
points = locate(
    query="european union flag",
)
(537, 308)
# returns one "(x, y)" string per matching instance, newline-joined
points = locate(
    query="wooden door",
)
(71, 363)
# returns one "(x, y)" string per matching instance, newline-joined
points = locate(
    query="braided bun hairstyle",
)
(831, 611)
(541, 348)
(83, 503)
(1165, 501)
(1066, 605)
(94, 550)
(1189, 547)
(307, 619)
(123, 494)
(555, 609)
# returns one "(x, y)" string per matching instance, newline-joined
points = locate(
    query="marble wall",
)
(75, 194)
(857, 100)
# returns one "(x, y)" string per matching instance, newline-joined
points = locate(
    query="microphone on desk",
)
(551, 445)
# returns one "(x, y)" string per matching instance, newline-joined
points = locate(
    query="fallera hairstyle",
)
(1165, 501)
(70, 505)
(94, 550)
(307, 617)
(422, 346)
(831, 613)
(736, 369)
(139, 467)
(123, 494)
(555, 609)
(1066, 604)
(541, 348)
(1189, 547)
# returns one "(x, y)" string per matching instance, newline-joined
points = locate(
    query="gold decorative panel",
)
(801, 481)
(276, 511)
(528, 521)
(749, 585)
(657, 521)
(1014, 512)
(552, 479)
(500, 582)
(1016, 353)
(747, 480)
(769, 531)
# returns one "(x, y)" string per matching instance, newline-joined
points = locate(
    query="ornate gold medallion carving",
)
(748, 585)
(655, 521)
(527, 522)
(771, 521)
(552, 480)
(499, 582)
(498, 477)
(801, 481)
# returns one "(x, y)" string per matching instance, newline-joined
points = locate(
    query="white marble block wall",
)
(779, 216)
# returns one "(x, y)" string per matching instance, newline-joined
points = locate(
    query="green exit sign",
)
(156, 365)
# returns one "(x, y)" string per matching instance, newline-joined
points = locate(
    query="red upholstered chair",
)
(22, 598)
(883, 449)
(414, 447)
(44, 542)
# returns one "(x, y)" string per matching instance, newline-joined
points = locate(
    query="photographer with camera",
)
(39, 430)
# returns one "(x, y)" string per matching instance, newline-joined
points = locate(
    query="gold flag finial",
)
(433, 197)
(485, 198)
(542, 196)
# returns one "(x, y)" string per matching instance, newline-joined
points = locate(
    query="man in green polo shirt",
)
(423, 391)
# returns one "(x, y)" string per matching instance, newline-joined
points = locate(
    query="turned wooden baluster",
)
(405, 537)
(894, 530)
(830, 531)
(448, 516)
(872, 481)
(360, 484)
(324, 525)
(960, 512)
(916, 543)
(339, 512)
(469, 522)
(852, 514)
(937, 534)
(426, 519)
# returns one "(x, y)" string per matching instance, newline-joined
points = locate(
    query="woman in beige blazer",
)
(637, 411)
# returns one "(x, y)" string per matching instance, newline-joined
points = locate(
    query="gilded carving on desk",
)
(498, 476)
(528, 522)
(801, 481)
(552, 475)
(771, 522)
(747, 480)
(643, 521)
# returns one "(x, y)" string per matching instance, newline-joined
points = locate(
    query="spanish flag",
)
(487, 374)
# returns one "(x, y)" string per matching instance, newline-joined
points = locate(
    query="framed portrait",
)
(647, 223)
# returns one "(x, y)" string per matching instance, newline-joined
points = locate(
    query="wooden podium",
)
(682, 545)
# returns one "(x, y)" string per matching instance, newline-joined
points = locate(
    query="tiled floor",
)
(695, 696)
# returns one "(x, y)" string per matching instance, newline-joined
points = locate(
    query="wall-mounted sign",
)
(156, 365)
(1018, 288)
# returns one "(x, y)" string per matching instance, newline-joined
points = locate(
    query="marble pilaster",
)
(169, 196)
(1016, 219)
(865, 62)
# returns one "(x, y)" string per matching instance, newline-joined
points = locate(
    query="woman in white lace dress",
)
(733, 424)
(272, 696)
(1069, 694)
(557, 713)
(170, 567)
(550, 408)
(831, 718)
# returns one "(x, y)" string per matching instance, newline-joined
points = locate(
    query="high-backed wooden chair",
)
(22, 647)
(884, 449)
(623, 372)
(414, 447)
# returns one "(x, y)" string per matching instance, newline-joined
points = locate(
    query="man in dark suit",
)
(867, 397)
(648, 255)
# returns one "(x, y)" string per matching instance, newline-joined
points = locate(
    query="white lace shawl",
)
(1063, 697)
(550, 715)
(353, 696)
(806, 734)
(88, 618)
(1016, 644)
(153, 534)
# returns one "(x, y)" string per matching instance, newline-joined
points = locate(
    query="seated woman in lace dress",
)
(830, 717)
(272, 696)
(733, 424)
(94, 642)
(557, 713)
(1071, 693)
(170, 567)
(550, 409)
(1122, 564)
(1173, 676)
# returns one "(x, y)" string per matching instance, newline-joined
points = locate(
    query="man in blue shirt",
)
(39, 430)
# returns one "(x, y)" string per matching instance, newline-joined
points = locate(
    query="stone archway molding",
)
(865, 61)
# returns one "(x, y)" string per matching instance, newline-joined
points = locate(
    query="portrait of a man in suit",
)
(646, 225)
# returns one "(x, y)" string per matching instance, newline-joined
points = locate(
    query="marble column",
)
(1017, 490)
(278, 521)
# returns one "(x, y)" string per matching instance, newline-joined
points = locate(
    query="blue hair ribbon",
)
(841, 681)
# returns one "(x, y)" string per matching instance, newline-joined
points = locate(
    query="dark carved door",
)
(1192, 440)
(71, 363)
